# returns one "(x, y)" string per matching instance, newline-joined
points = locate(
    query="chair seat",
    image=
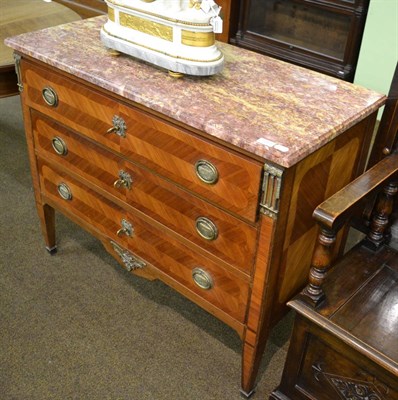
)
(361, 304)
(346, 348)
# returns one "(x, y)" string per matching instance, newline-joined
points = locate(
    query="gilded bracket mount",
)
(271, 187)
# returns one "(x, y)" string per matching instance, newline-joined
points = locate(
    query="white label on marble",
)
(270, 143)
(266, 142)
(281, 148)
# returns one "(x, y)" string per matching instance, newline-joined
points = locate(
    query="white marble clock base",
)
(187, 67)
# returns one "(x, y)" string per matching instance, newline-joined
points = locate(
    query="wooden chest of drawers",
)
(218, 207)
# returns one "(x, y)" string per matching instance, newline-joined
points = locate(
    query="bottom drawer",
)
(227, 290)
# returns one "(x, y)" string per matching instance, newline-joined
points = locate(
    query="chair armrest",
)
(334, 211)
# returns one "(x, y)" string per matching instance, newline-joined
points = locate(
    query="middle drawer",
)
(203, 224)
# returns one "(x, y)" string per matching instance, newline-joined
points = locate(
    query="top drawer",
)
(223, 177)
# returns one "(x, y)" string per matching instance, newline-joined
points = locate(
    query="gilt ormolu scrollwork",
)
(131, 261)
(119, 126)
(17, 59)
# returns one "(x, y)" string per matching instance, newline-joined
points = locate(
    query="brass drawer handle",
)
(126, 229)
(50, 96)
(206, 172)
(124, 180)
(131, 261)
(206, 228)
(64, 191)
(119, 126)
(59, 146)
(202, 278)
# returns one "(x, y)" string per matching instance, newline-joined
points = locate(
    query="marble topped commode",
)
(205, 183)
(265, 106)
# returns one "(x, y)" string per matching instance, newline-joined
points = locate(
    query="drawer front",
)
(224, 289)
(219, 175)
(203, 224)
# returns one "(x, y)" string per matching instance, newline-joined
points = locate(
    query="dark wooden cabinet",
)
(321, 35)
(85, 8)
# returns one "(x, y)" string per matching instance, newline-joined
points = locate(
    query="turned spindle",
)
(321, 259)
(378, 229)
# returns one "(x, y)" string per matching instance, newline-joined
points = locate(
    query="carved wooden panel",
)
(330, 375)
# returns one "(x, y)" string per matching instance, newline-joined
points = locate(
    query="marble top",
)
(275, 110)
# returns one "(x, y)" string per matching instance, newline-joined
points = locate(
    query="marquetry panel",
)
(146, 139)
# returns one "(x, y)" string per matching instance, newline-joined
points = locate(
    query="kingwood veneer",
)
(207, 184)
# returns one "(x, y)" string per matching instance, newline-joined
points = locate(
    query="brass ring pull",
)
(124, 180)
(126, 229)
(59, 146)
(64, 191)
(111, 130)
(119, 126)
(202, 278)
(206, 228)
(121, 232)
(206, 172)
(50, 96)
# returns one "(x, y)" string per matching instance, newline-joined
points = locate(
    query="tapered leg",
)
(251, 359)
(47, 220)
(258, 321)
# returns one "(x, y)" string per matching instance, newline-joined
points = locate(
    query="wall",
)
(379, 50)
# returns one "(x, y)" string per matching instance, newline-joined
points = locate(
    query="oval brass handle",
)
(50, 96)
(126, 229)
(206, 228)
(202, 278)
(206, 172)
(64, 191)
(124, 180)
(59, 146)
(119, 126)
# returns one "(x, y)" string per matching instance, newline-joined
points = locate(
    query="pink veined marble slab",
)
(267, 107)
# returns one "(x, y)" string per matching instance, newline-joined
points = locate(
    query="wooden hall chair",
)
(344, 343)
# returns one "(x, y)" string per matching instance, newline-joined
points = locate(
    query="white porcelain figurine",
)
(178, 35)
